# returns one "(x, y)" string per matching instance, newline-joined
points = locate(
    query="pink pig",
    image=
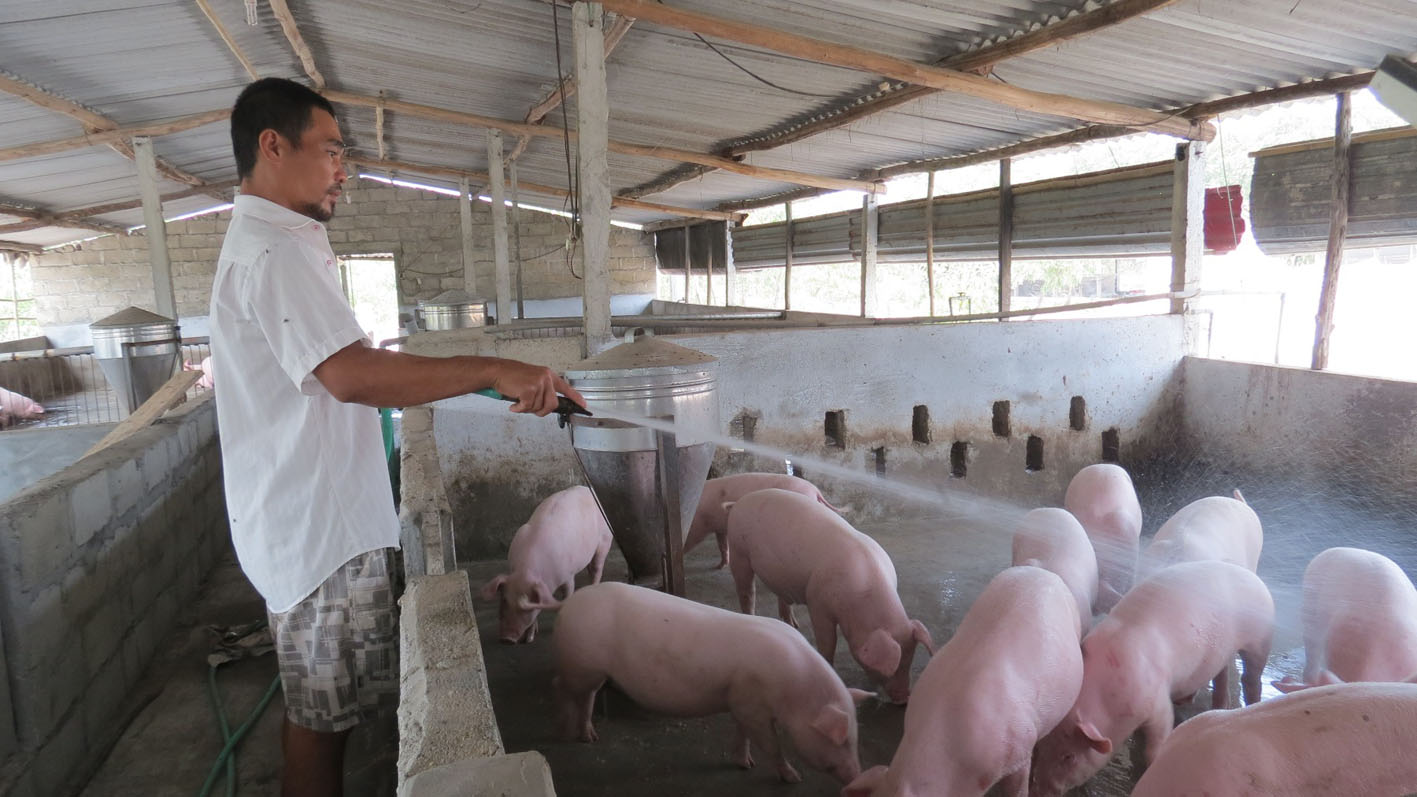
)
(17, 406)
(1163, 642)
(806, 553)
(1007, 676)
(564, 535)
(1346, 739)
(1104, 501)
(687, 659)
(1214, 528)
(1053, 540)
(712, 518)
(1360, 620)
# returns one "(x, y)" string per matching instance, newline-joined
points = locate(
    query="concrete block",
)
(155, 466)
(56, 762)
(103, 634)
(92, 507)
(42, 526)
(42, 695)
(125, 485)
(138, 649)
(521, 774)
(103, 701)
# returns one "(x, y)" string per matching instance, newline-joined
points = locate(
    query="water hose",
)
(226, 759)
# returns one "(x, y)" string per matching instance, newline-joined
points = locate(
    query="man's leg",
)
(314, 762)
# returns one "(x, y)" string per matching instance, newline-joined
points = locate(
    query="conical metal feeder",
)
(647, 480)
(452, 309)
(138, 353)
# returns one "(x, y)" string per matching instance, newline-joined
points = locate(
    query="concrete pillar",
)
(869, 218)
(1006, 236)
(517, 238)
(502, 265)
(469, 256)
(592, 124)
(730, 272)
(787, 263)
(164, 298)
(1187, 221)
(1337, 228)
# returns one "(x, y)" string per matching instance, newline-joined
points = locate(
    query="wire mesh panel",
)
(67, 383)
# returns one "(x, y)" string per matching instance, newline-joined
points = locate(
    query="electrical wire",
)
(565, 124)
(757, 77)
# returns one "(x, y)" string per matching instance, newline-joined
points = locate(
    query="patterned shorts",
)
(338, 650)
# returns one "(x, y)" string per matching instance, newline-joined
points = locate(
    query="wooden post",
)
(1006, 235)
(708, 268)
(688, 259)
(787, 263)
(592, 122)
(1187, 221)
(517, 238)
(165, 300)
(730, 271)
(1337, 228)
(469, 256)
(930, 239)
(869, 219)
(502, 266)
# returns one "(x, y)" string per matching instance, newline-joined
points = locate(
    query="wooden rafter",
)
(106, 137)
(567, 86)
(545, 190)
(83, 218)
(1097, 111)
(624, 148)
(93, 122)
(228, 38)
(297, 42)
(16, 246)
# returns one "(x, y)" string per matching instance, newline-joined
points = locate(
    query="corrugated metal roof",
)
(143, 60)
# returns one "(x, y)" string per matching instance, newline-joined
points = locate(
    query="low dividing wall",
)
(95, 563)
(892, 386)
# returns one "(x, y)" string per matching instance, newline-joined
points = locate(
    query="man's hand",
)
(534, 387)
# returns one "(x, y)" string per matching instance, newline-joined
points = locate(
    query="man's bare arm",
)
(379, 378)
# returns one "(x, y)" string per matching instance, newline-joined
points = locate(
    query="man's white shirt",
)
(307, 486)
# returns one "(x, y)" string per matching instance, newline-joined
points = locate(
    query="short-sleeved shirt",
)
(307, 485)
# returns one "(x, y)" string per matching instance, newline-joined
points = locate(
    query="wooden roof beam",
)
(92, 122)
(82, 218)
(545, 190)
(297, 42)
(16, 246)
(228, 38)
(1096, 111)
(567, 86)
(621, 147)
(106, 137)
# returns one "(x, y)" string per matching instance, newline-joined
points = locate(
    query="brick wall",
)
(95, 563)
(421, 228)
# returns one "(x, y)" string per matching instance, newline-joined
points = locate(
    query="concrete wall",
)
(421, 228)
(96, 561)
(496, 467)
(1349, 434)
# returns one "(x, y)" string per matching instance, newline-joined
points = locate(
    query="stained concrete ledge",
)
(519, 774)
(445, 710)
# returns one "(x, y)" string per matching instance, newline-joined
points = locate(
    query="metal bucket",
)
(138, 352)
(647, 481)
(451, 310)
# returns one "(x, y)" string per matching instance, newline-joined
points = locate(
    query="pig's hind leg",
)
(575, 697)
(784, 611)
(742, 570)
(1254, 661)
(755, 724)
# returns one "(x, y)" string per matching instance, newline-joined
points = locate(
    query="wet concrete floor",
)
(942, 567)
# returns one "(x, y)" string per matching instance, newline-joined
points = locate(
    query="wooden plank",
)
(297, 42)
(469, 252)
(172, 393)
(593, 175)
(106, 137)
(1337, 229)
(228, 38)
(850, 57)
(1187, 223)
(16, 246)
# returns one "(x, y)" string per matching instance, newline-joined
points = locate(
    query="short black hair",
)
(271, 103)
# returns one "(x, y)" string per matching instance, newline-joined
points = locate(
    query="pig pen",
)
(999, 416)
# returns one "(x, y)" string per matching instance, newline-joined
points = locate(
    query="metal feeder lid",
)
(452, 298)
(131, 317)
(643, 355)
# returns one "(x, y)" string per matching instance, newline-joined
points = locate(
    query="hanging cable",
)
(565, 125)
(760, 78)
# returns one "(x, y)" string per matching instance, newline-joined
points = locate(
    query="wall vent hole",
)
(920, 424)
(1112, 445)
(1034, 455)
(1001, 419)
(959, 459)
(878, 458)
(1077, 414)
(835, 428)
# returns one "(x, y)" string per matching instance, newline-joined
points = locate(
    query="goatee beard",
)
(317, 211)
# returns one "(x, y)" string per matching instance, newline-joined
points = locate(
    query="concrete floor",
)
(172, 737)
(942, 567)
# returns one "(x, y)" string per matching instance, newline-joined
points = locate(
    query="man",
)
(307, 489)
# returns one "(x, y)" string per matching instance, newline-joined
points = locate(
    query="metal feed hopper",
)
(138, 352)
(648, 481)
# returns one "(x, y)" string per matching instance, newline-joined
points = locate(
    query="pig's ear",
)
(866, 782)
(922, 635)
(833, 723)
(727, 505)
(859, 696)
(1095, 738)
(491, 588)
(879, 652)
(538, 597)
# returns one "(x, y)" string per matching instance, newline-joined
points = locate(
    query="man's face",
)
(314, 172)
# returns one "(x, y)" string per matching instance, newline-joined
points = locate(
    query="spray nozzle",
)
(565, 407)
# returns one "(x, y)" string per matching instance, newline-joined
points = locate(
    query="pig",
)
(1054, 540)
(1104, 501)
(1214, 528)
(565, 533)
(711, 518)
(687, 659)
(1360, 620)
(806, 553)
(19, 407)
(1163, 641)
(1007, 676)
(205, 366)
(1344, 739)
